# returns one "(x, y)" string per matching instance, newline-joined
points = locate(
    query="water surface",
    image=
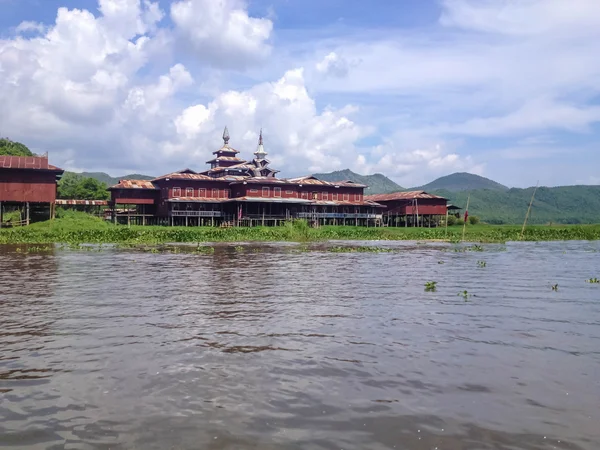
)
(272, 347)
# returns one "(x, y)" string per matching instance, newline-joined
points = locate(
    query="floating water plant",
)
(431, 286)
(555, 287)
(441, 262)
(239, 248)
(476, 248)
(465, 294)
(481, 263)
(593, 281)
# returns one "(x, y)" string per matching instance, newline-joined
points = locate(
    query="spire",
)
(260, 151)
(226, 136)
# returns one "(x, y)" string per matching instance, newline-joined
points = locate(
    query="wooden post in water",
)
(528, 211)
(467, 211)
(446, 222)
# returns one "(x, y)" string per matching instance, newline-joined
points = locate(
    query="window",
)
(288, 192)
(265, 192)
(315, 195)
(303, 195)
(254, 191)
(357, 197)
(227, 193)
(176, 192)
(202, 193)
(346, 197)
(189, 192)
(325, 195)
(334, 196)
(215, 193)
(277, 192)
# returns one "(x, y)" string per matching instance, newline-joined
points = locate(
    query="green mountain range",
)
(458, 182)
(498, 204)
(377, 183)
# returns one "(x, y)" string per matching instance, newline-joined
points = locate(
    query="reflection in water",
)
(266, 347)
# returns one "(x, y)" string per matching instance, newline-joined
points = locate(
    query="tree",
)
(473, 220)
(10, 148)
(76, 187)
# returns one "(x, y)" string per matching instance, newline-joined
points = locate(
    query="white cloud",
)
(222, 32)
(523, 17)
(335, 65)
(29, 26)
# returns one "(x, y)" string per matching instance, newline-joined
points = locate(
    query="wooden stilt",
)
(27, 216)
(1, 214)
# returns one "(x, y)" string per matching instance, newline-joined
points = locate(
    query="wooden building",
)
(28, 183)
(241, 192)
(410, 209)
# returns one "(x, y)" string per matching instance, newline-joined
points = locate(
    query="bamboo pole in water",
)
(467, 211)
(528, 211)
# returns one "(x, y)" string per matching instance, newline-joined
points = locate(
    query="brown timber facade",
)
(238, 192)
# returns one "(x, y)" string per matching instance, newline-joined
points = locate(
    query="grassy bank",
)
(81, 228)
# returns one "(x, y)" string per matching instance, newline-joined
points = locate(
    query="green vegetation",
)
(555, 287)
(108, 180)
(481, 264)
(465, 294)
(73, 186)
(593, 281)
(11, 148)
(431, 286)
(377, 183)
(78, 227)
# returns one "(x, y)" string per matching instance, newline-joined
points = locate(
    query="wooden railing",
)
(196, 213)
(309, 215)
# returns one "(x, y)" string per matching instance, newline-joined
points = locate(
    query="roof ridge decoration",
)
(260, 151)
(225, 137)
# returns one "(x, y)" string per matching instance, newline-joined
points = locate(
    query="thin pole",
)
(467, 210)
(528, 211)
(446, 221)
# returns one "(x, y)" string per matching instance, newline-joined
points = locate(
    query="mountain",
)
(564, 204)
(462, 181)
(110, 181)
(377, 183)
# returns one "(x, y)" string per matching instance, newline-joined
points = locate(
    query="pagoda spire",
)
(260, 151)
(226, 136)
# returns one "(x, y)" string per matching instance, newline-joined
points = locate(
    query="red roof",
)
(409, 195)
(134, 184)
(26, 162)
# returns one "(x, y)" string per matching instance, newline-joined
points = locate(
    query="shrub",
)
(451, 220)
(473, 220)
(459, 222)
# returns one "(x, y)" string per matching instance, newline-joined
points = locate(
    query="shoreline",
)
(81, 228)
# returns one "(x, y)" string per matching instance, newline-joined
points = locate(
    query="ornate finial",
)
(260, 151)
(226, 136)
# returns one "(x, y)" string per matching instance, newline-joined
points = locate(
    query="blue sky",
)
(413, 89)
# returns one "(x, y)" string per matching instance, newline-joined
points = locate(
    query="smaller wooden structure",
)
(29, 184)
(411, 209)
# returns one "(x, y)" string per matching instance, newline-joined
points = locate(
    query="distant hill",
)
(110, 181)
(378, 183)
(11, 148)
(564, 204)
(462, 181)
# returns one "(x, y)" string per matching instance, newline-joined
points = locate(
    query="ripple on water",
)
(271, 348)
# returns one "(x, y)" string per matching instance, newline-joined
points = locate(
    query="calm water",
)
(270, 348)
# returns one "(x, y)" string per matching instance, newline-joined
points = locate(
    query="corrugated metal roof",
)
(271, 200)
(226, 148)
(308, 181)
(311, 180)
(26, 162)
(185, 176)
(134, 184)
(227, 158)
(82, 202)
(409, 195)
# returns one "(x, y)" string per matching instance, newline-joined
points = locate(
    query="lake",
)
(270, 346)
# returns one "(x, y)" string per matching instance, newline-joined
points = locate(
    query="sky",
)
(413, 89)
